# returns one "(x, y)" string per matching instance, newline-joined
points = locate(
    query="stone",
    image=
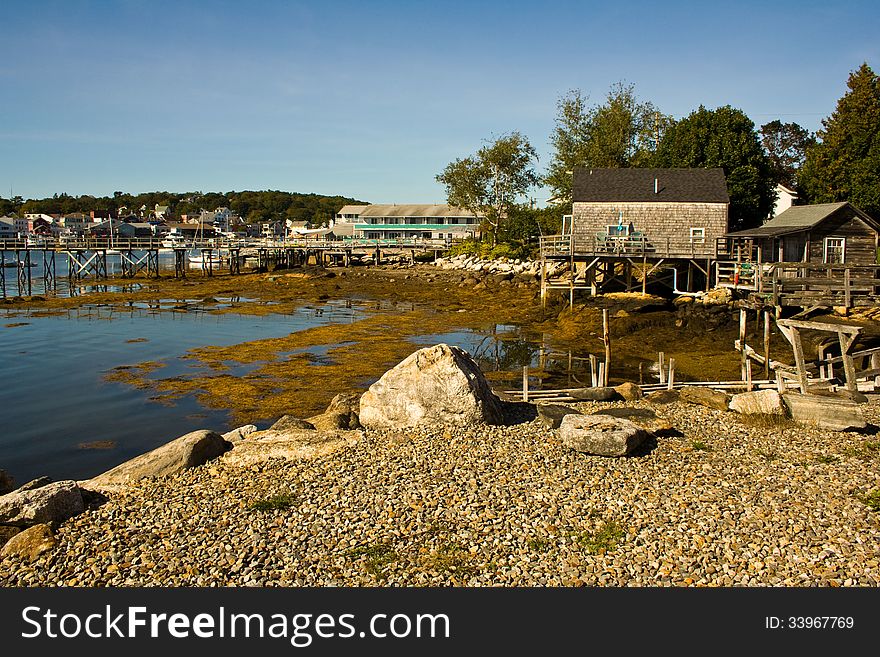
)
(824, 412)
(601, 435)
(330, 421)
(594, 394)
(434, 385)
(30, 544)
(758, 402)
(188, 451)
(664, 396)
(644, 417)
(239, 434)
(705, 397)
(289, 445)
(629, 391)
(717, 296)
(34, 484)
(7, 483)
(347, 403)
(51, 503)
(288, 422)
(551, 414)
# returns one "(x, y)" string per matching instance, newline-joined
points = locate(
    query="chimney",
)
(656, 186)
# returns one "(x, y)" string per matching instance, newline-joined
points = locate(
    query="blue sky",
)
(372, 99)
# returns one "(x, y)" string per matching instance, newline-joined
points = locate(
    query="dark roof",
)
(799, 218)
(637, 186)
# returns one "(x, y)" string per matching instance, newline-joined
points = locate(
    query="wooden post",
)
(642, 374)
(671, 380)
(766, 344)
(823, 368)
(742, 342)
(525, 389)
(660, 358)
(593, 371)
(644, 274)
(799, 359)
(780, 382)
(606, 339)
(846, 288)
(875, 364)
(849, 368)
(602, 374)
(748, 375)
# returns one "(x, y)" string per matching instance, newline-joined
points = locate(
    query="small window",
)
(698, 235)
(835, 250)
(617, 229)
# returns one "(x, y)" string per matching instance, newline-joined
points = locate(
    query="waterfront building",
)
(421, 221)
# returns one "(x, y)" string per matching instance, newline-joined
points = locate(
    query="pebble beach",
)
(719, 501)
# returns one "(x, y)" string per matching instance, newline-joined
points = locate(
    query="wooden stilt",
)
(671, 380)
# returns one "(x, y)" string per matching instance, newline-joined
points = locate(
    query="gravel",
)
(718, 503)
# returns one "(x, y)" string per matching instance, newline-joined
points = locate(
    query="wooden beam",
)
(820, 326)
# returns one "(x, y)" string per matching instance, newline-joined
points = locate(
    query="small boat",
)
(174, 241)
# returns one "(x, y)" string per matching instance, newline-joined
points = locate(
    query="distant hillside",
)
(253, 206)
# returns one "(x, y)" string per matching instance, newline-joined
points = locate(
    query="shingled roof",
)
(638, 186)
(798, 218)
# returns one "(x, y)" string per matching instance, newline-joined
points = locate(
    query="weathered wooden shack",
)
(809, 255)
(827, 233)
(631, 224)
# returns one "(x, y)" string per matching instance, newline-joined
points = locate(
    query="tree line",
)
(841, 162)
(252, 206)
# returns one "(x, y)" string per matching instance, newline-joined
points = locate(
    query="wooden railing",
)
(151, 243)
(627, 246)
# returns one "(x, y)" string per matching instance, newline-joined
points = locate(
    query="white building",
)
(785, 198)
(425, 221)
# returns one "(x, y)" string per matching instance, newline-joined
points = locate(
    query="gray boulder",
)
(435, 385)
(51, 503)
(705, 397)
(188, 451)
(758, 402)
(551, 414)
(601, 435)
(346, 403)
(595, 394)
(30, 544)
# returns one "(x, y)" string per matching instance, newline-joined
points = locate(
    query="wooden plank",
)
(766, 344)
(820, 326)
(671, 381)
(606, 339)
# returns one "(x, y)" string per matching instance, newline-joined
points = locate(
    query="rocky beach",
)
(438, 496)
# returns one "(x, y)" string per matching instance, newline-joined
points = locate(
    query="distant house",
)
(160, 211)
(662, 212)
(7, 228)
(827, 233)
(350, 213)
(785, 198)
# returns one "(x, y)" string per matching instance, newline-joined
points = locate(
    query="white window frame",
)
(612, 229)
(827, 244)
(698, 235)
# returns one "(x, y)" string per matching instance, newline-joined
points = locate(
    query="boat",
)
(209, 258)
(174, 241)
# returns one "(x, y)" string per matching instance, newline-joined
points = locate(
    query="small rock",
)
(758, 402)
(595, 394)
(629, 391)
(288, 422)
(705, 397)
(663, 396)
(51, 503)
(31, 543)
(239, 434)
(644, 417)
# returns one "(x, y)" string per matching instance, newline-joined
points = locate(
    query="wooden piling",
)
(766, 344)
(606, 339)
(744, 358)
(525, 388)
(660, 372)
(671, 379)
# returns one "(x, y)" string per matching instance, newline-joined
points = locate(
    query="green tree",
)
(786, 146)
(490, 182)
(845, 164)
(621, 132)
(726, 138)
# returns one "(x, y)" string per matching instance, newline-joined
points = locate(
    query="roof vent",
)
(656, 186)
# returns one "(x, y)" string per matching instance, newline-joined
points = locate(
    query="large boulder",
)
(188, 451)
(705, 397)
(601, 435)
(435, 385)
(51, 503)
(551, 414)
(758, 402)
(31, 543)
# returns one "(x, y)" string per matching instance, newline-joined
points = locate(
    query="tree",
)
(490, 182)
(845, 164)
(622, 132)
(786, 145)
(726, 138)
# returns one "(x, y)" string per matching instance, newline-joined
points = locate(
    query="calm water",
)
(54, 398)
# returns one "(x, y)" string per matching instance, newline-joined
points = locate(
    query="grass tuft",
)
(278, 502)
(603, 540)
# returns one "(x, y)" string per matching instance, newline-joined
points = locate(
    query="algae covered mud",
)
(92, 381)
